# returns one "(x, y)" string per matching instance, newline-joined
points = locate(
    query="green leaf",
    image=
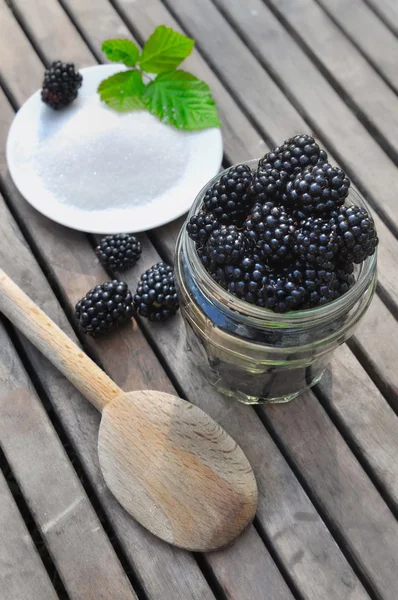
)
(164, 50)
(123, 91)
(180, 99)
(123, 51)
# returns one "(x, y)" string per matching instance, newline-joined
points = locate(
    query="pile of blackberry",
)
(285, 236)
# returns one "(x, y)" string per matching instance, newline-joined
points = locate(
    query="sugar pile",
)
(97, 159)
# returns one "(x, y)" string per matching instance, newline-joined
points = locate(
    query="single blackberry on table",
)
(271, 229)
(200, 226)
(283, 163)
(119, 252)
(357, 234)
(228, 198)
(105, 307)
(315, 241)
(156, 296)
(317, 191)
(226, 245)
(60, 84)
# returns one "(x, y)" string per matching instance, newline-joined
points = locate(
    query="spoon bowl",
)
(176, 470)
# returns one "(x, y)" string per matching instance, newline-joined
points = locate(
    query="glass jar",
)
(255, 354)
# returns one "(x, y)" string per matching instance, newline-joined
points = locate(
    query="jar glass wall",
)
(252, 353)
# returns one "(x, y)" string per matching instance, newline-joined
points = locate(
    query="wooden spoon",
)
(166, 461)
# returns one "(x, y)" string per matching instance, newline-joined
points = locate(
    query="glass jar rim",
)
(329, 311)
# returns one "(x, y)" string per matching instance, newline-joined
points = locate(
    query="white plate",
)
(94, 169)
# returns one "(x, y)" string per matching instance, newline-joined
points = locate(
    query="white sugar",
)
(98, 159)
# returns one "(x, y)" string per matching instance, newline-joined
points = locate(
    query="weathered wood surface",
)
(80, 548)
(356, 435)
(367, 420)
(347, 68)
(387, 11)
(22, 574)
(369, 33)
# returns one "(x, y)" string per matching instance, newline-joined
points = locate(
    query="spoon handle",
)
(85, 375)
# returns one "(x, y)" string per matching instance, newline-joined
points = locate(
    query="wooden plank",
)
(80, 548)
(11, 66)
(364, 416)
(387, 11)
(249, 550)
(377, 339)
(358, 513)
(369, 33)
(58, 47)
(345, 64)
(359, 153)
(99, 21)
(22, 574)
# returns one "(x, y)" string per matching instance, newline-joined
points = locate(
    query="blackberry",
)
(200, 226)
(60, 84)
(229, 198)
(226, 245)
(271, 229)
(283, 163)
(104, 307)
(156, 296)
(357, 234)
(246, 279)
(318, 190)
(282, 293)
(119, 252)
(316, 242)
(317, 283)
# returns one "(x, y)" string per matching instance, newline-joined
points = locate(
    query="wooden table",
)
(326, 464)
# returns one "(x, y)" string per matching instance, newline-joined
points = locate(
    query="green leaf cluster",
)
(174, 96)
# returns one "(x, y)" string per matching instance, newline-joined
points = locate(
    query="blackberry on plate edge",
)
(156, 296)
(60, 84)
(119, 252)
(105, 307)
